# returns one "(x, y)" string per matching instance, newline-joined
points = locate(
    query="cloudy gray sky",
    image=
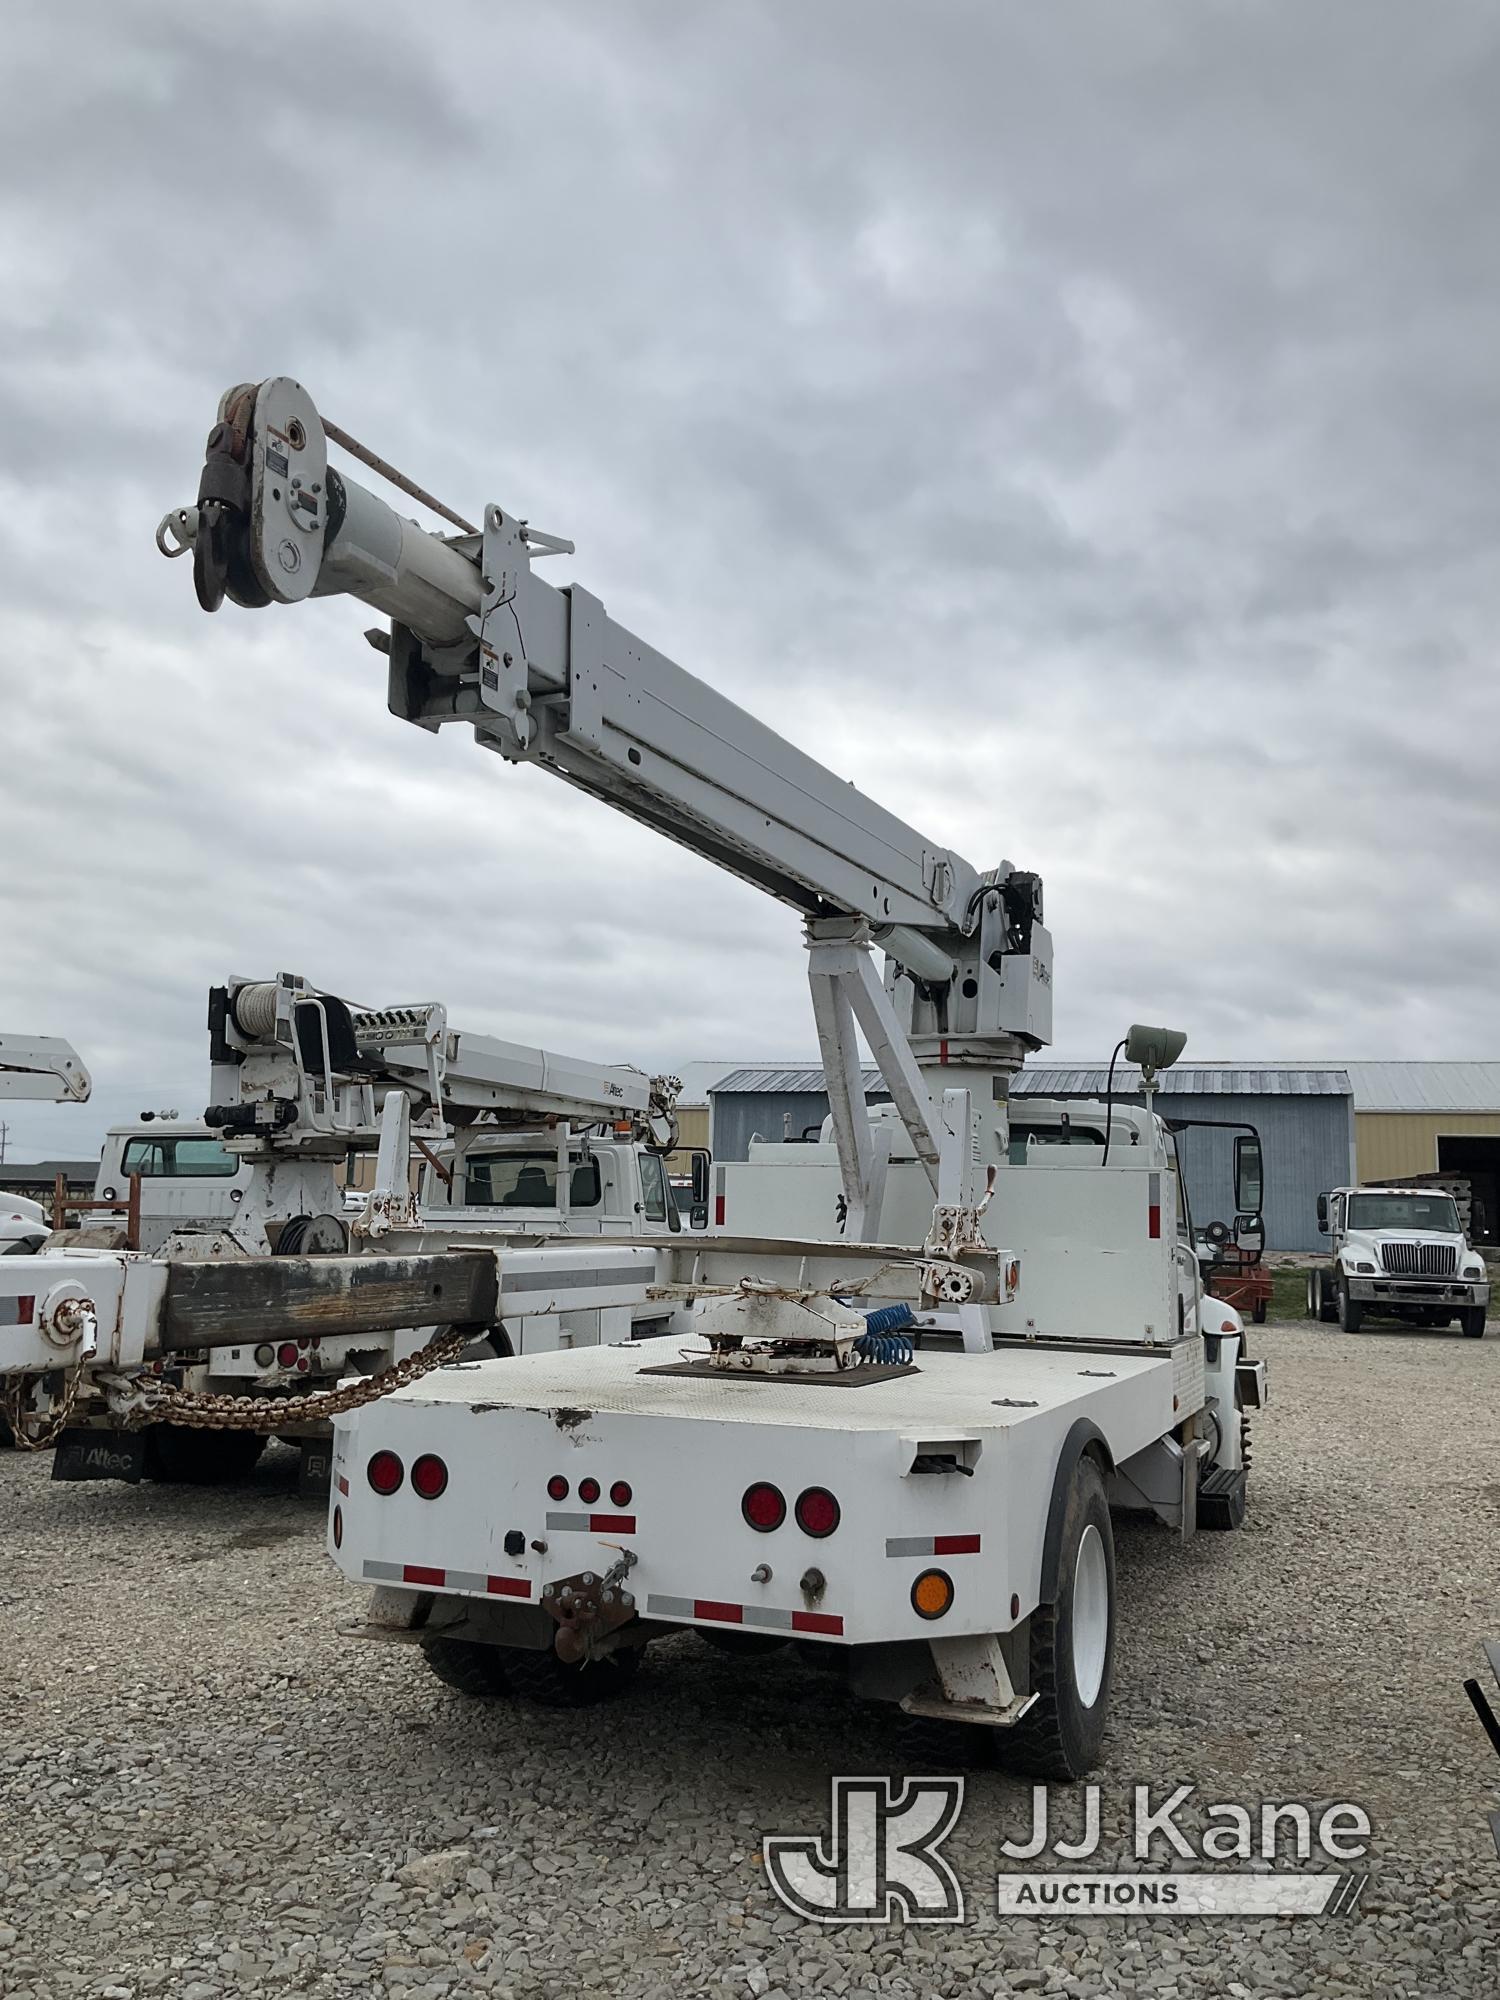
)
(1078, 424)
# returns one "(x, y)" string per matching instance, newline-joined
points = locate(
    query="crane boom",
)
(43, 1067)
(544, 675)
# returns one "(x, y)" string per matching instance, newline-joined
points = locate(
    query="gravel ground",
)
(204, 1790)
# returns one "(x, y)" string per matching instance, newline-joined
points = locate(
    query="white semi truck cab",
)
(1397, 1253)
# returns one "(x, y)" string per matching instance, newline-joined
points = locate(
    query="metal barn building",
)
(772, 1101)
(1432, 1118)
(1305, 1118)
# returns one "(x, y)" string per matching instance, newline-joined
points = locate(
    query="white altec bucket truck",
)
(862, 1446)
(523, 1149)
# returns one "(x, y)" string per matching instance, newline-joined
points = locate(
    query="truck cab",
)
(189, 1178)
(1399, 1253)
(575, 1183)
(24, 1226)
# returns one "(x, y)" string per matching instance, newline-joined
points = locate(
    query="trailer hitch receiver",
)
(589, 1607)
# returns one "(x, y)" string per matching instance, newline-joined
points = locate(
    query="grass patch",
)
(1288, 1293)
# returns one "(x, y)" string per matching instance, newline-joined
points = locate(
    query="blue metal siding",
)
(740, 1116)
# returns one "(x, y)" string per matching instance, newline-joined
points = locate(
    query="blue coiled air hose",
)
(880, 1342)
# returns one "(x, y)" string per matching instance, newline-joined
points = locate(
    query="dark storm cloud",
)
(1075, 423)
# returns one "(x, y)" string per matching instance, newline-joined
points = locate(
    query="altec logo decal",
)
(447, 1579)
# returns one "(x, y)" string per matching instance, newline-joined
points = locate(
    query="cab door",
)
(1184, 1251)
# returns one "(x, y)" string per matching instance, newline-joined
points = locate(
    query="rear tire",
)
(181, 1455)
(1351, 1312)
(474, 1670)
(1328, 1305)
(1072, 1645)
(553, 1683)
(1471, 1319)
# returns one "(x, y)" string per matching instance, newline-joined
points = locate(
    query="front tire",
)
(1351, 1311)
(1072, 1644)
(1471, 1319)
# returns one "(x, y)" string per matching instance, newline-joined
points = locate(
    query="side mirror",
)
(1323, 1213)
(701, 1163)
(1249, 1177)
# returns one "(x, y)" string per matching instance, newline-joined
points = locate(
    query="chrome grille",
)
(1419, 1260)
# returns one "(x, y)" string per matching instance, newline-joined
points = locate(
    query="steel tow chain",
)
(56, 1423)
(197, 1411)
(164, 1404)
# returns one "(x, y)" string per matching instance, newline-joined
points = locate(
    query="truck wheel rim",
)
(1090, 1616)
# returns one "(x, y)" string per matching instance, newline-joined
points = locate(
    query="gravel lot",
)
(204, 1790)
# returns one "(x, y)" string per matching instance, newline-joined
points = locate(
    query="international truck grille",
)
(1419, 1260)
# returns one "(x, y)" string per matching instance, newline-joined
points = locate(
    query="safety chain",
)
(56, 1424)
(195, 1411)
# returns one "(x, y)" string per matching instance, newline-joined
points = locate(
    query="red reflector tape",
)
(343, 1486)
(612, 1524)
(1153, 1220)
(414, 1573)
(718, 1211)
(508, 1586)
(816, 1621)
(722, 1614)
(955, 1545)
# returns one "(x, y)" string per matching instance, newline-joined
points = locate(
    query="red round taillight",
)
(286, 1354)
(429, 1476)
(384, 1472)
(557, 1487)
(588, 1491)
(338, 1527)
(620, 1494)
(817, 1512)
(763, 1507)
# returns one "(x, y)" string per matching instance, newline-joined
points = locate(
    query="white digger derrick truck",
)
(520, 1148)
(868, 1447)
